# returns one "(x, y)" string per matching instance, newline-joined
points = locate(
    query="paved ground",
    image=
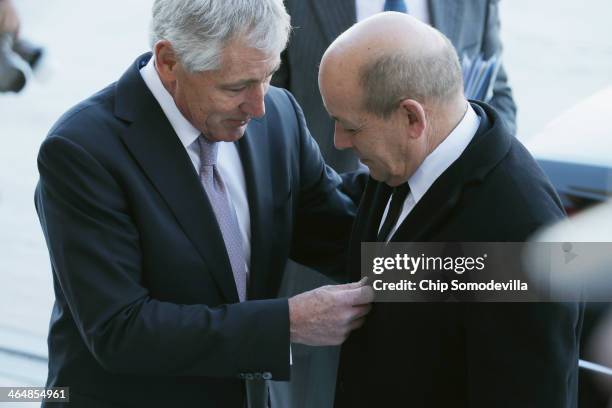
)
(557, 52)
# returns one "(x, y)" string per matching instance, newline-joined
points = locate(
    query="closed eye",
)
(240, 89)
(352, 130)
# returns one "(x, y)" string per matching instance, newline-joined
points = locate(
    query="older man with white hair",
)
(170, 202)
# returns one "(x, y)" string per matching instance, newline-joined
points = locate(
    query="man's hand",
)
(326, 316)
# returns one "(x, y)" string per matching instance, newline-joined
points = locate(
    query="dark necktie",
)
(396, 5)
(395, 209)
(224, 212)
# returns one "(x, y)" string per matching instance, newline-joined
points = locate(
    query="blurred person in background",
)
(17, 55)
(473, 26)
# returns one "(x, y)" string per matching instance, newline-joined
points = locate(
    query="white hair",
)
(200, 29)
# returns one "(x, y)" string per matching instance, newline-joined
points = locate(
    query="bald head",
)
(393, 56)
(387, 32)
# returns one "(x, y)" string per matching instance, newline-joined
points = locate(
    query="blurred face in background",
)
(219, 103)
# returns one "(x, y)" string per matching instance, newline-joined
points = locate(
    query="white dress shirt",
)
(229, 164)
(435, 164)
(416, 8)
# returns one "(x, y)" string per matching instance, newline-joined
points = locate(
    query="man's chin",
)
(374, 173)
(229, 135)
(385, 178)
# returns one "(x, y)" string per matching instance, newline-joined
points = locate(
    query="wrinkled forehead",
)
(239, 60)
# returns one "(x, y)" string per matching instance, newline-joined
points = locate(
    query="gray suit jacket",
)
(471, 25)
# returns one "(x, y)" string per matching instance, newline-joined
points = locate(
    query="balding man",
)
(442, 169)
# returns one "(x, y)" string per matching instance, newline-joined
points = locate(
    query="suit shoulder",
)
(90, 126)
(86, 119)
(523, 190)
(279, 97)
(281, 107)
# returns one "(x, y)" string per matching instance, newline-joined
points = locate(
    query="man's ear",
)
(166, 61)
(415, 117)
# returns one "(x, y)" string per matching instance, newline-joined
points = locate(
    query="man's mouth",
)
(239, 122)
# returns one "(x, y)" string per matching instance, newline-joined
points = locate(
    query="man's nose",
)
(254, 104)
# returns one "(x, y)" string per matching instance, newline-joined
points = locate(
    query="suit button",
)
(267, 375)
(248, 376)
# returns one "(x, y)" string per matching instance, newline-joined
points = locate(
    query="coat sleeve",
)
(502, 99)
(325, 213)
(97, 262)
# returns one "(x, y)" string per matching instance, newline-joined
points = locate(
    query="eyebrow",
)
(251, 80)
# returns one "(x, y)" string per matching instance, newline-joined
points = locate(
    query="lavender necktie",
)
(224, 212)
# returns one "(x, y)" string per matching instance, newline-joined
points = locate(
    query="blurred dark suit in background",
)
(471, 25)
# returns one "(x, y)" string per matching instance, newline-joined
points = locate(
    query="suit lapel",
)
(157, 149)
(255, 159)
(430, 211)
(334, 16)
(382, 193)
(446, 16)
(365, 228)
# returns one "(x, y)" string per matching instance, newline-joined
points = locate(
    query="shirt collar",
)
(444, 154)
(183, 128)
